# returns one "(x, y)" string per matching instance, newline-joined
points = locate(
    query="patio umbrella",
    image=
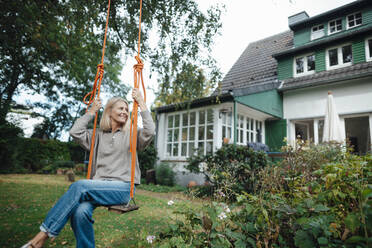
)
(332, 126)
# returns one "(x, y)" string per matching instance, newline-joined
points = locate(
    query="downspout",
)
(235, 113)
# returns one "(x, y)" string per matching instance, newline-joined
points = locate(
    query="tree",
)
(52, 47)
(189, 84)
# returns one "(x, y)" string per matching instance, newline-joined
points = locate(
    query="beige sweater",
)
(111, 158)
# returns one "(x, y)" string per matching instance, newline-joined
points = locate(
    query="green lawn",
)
(26, 199)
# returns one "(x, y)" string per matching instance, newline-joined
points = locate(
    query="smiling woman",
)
(111, 170)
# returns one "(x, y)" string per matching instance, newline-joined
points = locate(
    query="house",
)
(331, 52)
(278, 89)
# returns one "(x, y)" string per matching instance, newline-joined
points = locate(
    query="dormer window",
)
(334, 26)
(304, 65)
(317, 32)
(339, 57)
(354, 20)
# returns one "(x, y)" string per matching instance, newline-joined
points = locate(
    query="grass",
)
(26, 199)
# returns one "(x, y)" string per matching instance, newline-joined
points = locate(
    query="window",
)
(190, 130)
(354, 20)
(339, 57)
(334, 26)
(240, 128)
(317, 32)
(226, 126)
(304, 65)
(369, 49)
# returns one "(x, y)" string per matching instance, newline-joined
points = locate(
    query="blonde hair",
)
(105, 123)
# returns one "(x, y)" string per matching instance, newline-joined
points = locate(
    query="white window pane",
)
(347, 54)
(210, 116)
(191, 148)
(177, 120)
(370, 47)
(201, 148)
(169, 136)
(201, 117)
(229, 119)
(184, 149)
(175, 149)
(184, 134)
(210, 132)
(228, 135)
(192, 118)
(209, 147)
(192, 133)
(299, 65)
(311, 62)
(223, 118)
(175, 135)
(169, 149)
(184, 119)
(170, 121)
(223, 132)
(201, 135)
(333, 57)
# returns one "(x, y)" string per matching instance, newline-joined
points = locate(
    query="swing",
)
(124, 208)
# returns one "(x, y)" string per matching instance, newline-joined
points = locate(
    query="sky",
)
(243, 22)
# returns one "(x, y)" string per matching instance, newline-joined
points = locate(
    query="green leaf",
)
(355, 240)
(240, 244)
(367, 193)
(320, 208)
(304, 240)
(352, 222)
(323, 241)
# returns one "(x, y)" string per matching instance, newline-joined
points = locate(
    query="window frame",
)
(368, 49)
(353, 14)
(329, 26)
(306, 72)
(339, 57)
(196, 127)
(313, 34)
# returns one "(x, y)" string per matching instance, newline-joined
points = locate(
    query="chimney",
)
(297, 18)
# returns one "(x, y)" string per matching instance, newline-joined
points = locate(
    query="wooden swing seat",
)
(122, 209)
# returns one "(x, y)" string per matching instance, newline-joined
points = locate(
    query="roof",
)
(256, 66)
(356, 5)
(205, 101)
(327, 77)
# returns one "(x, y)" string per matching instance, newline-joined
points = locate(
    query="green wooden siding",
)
(270, 102)
(301, 37)
(367, 16)
(320, 61)
(285, 68)
(275, 132)
(358, 51)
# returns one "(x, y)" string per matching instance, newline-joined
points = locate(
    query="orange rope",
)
(96, 91)
(138, 78)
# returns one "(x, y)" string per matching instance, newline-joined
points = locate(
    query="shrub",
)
(80, 169)
(165, 175)
(232, 169)
(147, 158)
(327, 205)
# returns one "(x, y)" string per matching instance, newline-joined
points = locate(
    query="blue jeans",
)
(78, 204)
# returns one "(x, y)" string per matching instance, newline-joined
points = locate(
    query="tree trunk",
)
(7, 96)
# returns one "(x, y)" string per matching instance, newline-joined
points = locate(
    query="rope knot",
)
(100, 68)
(139, 65)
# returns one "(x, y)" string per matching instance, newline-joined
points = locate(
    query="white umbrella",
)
(332, 126)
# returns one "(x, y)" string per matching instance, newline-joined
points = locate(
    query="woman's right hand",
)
(96, 105)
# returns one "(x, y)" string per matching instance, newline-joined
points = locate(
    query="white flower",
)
(170, 203)
(227, 209)
(150, 239)
(222, 216)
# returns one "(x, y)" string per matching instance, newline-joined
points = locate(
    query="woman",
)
(110, 184)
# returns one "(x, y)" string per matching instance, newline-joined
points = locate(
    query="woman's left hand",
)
(137, 96)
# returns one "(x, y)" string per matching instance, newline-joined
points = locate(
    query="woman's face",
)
(119, 113)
